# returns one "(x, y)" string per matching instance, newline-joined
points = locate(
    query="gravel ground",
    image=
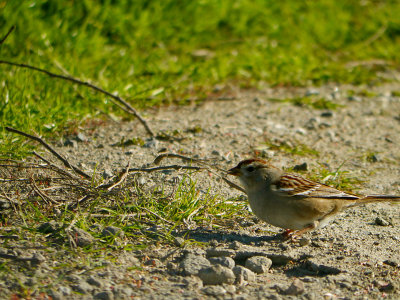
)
(356, 257)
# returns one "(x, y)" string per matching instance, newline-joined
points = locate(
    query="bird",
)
(292, 202)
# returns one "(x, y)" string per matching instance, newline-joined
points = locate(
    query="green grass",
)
(149, 52)
(294, 148)
(311, 101)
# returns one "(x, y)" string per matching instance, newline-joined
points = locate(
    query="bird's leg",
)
(287, 234)
(294, 236)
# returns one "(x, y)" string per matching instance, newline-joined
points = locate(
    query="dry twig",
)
(128, 107)
(7, 34)
(48, 147)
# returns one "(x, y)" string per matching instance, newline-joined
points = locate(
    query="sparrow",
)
(292, 202)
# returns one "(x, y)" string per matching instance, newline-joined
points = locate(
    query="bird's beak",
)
(235, 171)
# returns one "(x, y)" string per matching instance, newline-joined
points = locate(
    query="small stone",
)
(258, 264)
(296, 288)
(301, 131)
(65, 290)
(80, 137)
(216, 274)
(243, 274)
(71, 143)
(192, 282)
(178, 241)
(49, 227)
(212, 252)
(391, 262)
(304, 242)
(83, 287)
(81, 237)
(312, 123)
(311, 92)
(281, 259)
(301, 167)
(223, 261)
(235, 245)
(216, 153)
(381, 222)
(354, 98)
(327, 114)
(192, 264)
(214, 290)
(384, 286)
(231, 289)
(151, 143)
(105, 295)
(111, 231)
(107, 173)
(94, 281)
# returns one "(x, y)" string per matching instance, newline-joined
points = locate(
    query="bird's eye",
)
(250, 169)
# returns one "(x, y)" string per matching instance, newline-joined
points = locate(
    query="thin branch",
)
(41, 194)
(87, 84)
(122, 177)
(204, 162)
(7, 34)
(48, 147)
(58, 169)
(174, 167)
(160, 157)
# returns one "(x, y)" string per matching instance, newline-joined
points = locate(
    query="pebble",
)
(296, 288)
(83, 287)
(65, 290)
(301, 167)
(71, 143)
(281, 259)
(94, 281)
(311, 92)
(381, 222)
(216, 274)
(112, 231)
(214, 290)
(192, 264)
(81, 237)
(150, 143)
(107, 173)
(80, 137)
(312, 123)
(243, 274)
(223, 261)
(178, 241)
(105, 295)
(49, 227)
(192, 282)
(327, 114)
(384, 286)
(258, 264)
(212, 252)
(304, 242)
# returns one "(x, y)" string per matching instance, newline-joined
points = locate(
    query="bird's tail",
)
(378, 198)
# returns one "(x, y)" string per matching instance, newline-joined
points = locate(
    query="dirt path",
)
(353, 258)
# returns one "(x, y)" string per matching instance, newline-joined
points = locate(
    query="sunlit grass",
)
(161, 52)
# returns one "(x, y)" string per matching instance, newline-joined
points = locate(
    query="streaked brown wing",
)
(294, 185)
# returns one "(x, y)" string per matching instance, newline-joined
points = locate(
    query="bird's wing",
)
(294, 185)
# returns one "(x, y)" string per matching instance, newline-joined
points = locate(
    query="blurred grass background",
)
(166, 51)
